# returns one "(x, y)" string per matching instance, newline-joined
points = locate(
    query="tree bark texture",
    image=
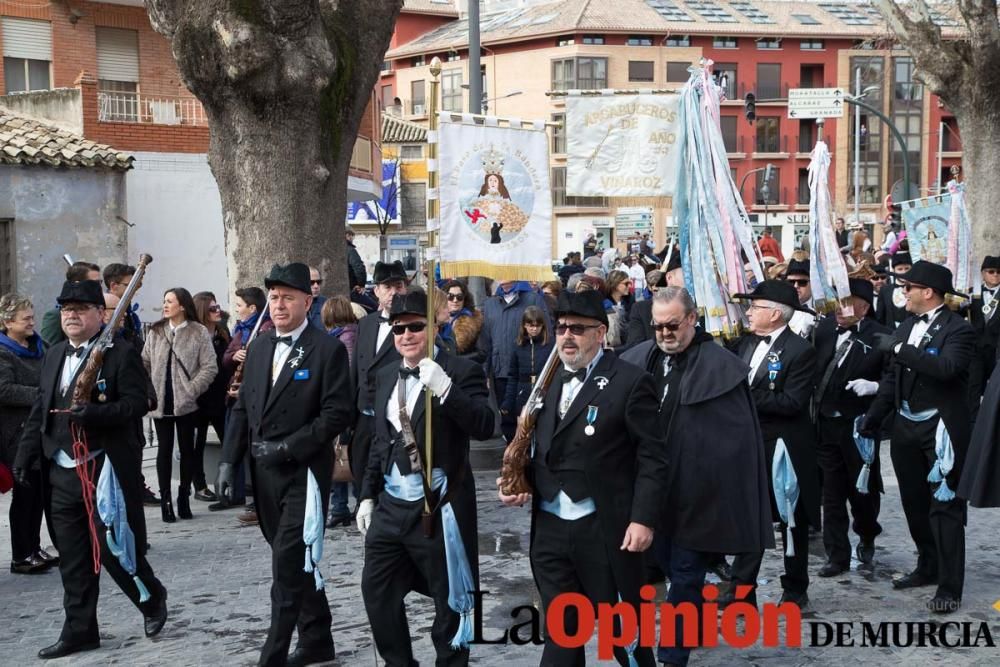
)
(284, 84)
(965, 74)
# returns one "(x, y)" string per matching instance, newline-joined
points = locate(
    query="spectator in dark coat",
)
(357, 274)
(572, 263)
(340, 322)
(534, 344)
(212, 403)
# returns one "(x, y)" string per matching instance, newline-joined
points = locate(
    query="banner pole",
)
(430, 265)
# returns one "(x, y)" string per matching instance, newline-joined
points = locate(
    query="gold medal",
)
(103, 398)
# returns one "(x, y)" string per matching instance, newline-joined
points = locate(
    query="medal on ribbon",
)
(591, 418)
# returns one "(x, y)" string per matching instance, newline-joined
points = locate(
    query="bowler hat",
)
(81, 291)
(863, 290)
(294, 275)
(777, 291)
(674, 263)
(990, 262)
(797, 267)
(902, 258)
(386, 272)
(928, 274)
(413, 302)
(656, 278)
(582, 304)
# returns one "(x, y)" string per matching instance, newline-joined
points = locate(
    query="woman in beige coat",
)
(180, 359)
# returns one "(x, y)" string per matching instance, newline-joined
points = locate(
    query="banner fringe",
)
(496, 271)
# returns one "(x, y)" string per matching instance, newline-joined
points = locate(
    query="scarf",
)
(35, 348)
(446, 330)
(244, 328)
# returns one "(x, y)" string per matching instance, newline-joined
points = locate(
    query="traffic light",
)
(750, 107)
(768, 172)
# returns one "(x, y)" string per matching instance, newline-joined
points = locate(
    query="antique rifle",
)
(517, 456)
(88, 376)
(234, 383)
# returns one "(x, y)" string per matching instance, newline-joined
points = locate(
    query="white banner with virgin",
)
(621, 145)
(495, 200)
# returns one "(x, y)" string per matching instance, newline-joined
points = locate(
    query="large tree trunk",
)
(284, 84)
(981, 164)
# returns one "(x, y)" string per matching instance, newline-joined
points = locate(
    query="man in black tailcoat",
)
(373, 350)
(294, 400)
(717, 498)
(399, 554)
(848, 368)
(117, 401)
(598, 471)
(924, 389)
(782, 365)
(985, 321)
(891, 309)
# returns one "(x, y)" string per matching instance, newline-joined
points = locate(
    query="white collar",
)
(592, 364)
(294, 333)
(777, 332)
(175, 328)
(931, 314)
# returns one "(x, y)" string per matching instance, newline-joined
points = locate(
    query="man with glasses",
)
(599, 470)
(923, 388)
(315, 316)
(717, 499)
(892, 311)
(983, 316)
(878, 279)
(403, 546)
(797, 275)
(782, 366)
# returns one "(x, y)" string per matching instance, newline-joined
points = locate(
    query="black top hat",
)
(879, 269)
(935, 276)
(582, 304)
(386, 272)
(990, 262)
(778, 291)
(797, 267)
(413, 302)
(863, 290)
(294, 275)
(82, 291)
(902, 258)
(675, 262)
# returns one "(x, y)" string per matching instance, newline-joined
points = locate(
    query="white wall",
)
(173, 201)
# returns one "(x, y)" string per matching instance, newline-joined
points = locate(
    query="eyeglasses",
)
(757, 306)
(412, 327)
(318, 281)
(880, 278)
(908, 286)
(669, 326)
(575, 329)
(215, 309)
(455, 297)
(799, 283)
(991, 272)
(76, 308)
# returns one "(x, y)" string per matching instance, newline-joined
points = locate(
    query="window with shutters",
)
(118, 74)
(27, 54)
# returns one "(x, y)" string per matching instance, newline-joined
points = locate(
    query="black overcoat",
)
(980, 482)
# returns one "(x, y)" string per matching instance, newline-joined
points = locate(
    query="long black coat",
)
(888, 313)
(640, 327)
(784, 410)
(368, 361)
(19, 378)
(464, 415)
(625, 461)
(980, 482)
(987, 335)
(717, 496)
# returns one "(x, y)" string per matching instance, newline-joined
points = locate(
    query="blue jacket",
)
(501, 322)
(315, 316)
(527, 362)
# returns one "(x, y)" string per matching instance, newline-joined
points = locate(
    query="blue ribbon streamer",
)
(119, 535)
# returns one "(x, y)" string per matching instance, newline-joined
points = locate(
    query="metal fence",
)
(124, 107)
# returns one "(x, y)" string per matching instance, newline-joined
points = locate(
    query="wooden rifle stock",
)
(88, 376)
(517, 456)
(234, 382)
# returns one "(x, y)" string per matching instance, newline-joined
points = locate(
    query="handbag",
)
(341, 462)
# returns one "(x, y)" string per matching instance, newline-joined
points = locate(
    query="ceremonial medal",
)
(102, 386)
(987, 308)
(589, 430)
(591, 418)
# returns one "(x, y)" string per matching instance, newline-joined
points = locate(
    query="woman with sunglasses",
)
(465, 322)
(212, 403)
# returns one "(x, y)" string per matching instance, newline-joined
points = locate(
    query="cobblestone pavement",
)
(218, 577)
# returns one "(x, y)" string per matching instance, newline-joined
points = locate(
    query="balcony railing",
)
(120, 107)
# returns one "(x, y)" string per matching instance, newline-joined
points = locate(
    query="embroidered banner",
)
(622, 145)
(495, 200)
(938, 230)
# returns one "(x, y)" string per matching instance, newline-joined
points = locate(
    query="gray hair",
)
(786, 311)
(10, 305)
(670, 294)
(573, 281)
(594, 272)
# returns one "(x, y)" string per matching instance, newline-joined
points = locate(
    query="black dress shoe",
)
(30, 565)
(155, 621)
(722, 569)
(301, 657)
(943, 604)
(148, 497)
(167, 510)
(865, 552)
(335, 520)
(63, 648)
(205, 495)
(831, 569)
(912, 580)
(47, 558)
(801, 599)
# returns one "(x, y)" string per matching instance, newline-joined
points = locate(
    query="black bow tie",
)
(924, 318)
(764, 339)
(566, 375)
(383, 320)
(405, 372)
(287, 340)
(853, 329)
(75, 351)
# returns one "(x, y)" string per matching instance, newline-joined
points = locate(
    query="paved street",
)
(218, 577)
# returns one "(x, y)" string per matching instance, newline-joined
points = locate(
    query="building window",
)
(768, 195)
(27, 54)
(559, 197)
(387, 97)
(767, 134)
(559, 134)
(811, 44)
(769, 43)
(452, 57)
(118, 75)
(418, 104)
(725, 76)
(678, 40)
(639, 40)
(723, 42)
(803, 189)
(768, 81)
(728, 124)
(411, 152)
(418, 61)
(807, 135)
(386, 65)
(906, 109)
(563, 74)
(677, 72)
(593, 39)
(581, 73)
(640, 70)
(565, 41)
(451, 90)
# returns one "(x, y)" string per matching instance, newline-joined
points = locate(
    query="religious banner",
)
(938, 231)
(496, 203)
(827, 271)
(621, 145)
(384, 210)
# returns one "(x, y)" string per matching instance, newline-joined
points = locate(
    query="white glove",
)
(433, 377)
(863, 387)
(364, 515)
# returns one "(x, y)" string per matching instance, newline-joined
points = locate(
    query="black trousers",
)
(27, 506)
(746, 566)
(508, 422)
(165, 428)
(280, 493)
(399, 559)
(841, 463)
(937, 528)
(217, 420)
(81, 585)
(572, 557)
(361, 444)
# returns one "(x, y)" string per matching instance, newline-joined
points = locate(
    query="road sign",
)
(815, 103)
(629, 220)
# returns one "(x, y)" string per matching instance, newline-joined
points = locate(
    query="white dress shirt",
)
(384, 329)
(412, 387)
(571, 388)
(763, 347)
(840, 340)
(988, 295)
(71, 365)
(920, 328)
(283, 350)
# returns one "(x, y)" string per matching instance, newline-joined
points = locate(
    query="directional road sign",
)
(815, 103)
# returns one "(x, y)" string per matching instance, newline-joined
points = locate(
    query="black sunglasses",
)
(318, 281)
(575, 329)
(412, 327)
(669, 326)
(798, 283)
(455, 297)
(215, 309)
